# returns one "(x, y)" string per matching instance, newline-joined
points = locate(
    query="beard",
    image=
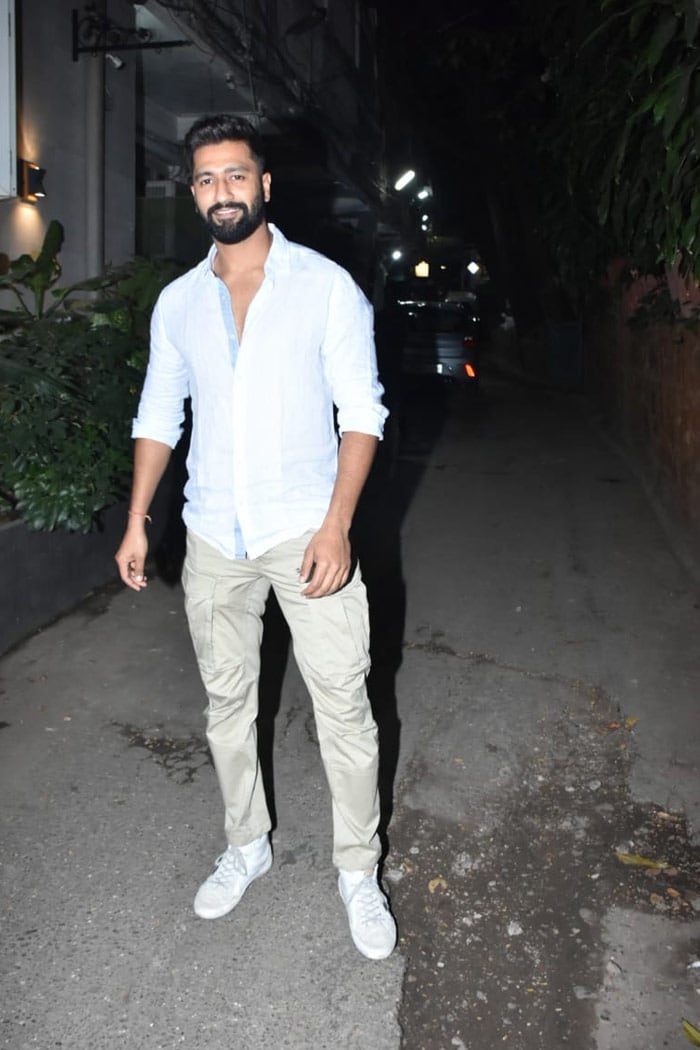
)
(233, 231)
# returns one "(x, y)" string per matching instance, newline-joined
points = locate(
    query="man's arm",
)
(328, 554)
(150, 460)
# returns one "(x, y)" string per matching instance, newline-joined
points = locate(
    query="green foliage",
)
(25, 274)
(581, 121)
(628, 136)
(69, 384)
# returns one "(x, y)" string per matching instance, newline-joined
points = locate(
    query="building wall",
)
(51, 130)
(646, 379)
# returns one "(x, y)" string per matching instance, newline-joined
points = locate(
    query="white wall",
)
(51, 131)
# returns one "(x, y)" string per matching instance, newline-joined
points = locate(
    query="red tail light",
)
(469, 369)
(468, 342)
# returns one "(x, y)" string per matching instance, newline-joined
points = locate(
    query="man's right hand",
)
(131, 556)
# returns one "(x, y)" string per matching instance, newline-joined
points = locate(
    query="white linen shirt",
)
(262, 460)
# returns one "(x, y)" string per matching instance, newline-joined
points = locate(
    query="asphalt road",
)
(536, 675)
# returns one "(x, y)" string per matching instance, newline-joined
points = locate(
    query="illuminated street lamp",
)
(403, 181)
(422, 269)
(473, 268)
(397, 254)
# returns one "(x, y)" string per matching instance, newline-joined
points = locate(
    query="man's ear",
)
(266, 183)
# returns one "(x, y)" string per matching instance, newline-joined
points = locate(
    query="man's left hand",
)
(326, 564)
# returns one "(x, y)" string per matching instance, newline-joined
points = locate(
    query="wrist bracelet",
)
(140, 514)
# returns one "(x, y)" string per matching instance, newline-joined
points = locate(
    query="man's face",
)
(229, 191)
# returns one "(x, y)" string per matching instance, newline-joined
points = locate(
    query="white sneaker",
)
(372, 925)
(235, 870)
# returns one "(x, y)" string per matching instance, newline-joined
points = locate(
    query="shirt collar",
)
(277, 257)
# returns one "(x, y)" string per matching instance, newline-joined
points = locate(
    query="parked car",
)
(441, 341)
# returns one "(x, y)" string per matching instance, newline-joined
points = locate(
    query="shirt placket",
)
(234, 347)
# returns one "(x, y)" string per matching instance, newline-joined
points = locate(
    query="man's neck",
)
(235, 259)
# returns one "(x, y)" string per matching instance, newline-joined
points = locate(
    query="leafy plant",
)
(581, 124)
(70, 376)
(628, 137)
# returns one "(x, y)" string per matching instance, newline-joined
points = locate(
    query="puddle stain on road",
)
(180, 757)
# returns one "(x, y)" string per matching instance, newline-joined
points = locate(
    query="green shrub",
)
(70, 378)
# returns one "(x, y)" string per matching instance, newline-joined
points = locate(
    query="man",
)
(266, 336)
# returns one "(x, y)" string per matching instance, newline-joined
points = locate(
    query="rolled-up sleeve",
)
(161, 407)
(350, 359)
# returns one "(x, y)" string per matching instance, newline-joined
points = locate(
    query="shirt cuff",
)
(364, 422)
(167, 435)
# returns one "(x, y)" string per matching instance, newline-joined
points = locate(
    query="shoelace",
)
(370, 902)
(229, 862)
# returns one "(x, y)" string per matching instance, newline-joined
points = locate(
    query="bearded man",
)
(270, 340)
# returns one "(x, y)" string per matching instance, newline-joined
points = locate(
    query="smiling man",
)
(270, 340)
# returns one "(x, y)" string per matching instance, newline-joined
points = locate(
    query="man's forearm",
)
(150, 460)
(327, 559)
(355, 458)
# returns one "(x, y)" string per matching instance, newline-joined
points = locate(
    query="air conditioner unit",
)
(161, 188)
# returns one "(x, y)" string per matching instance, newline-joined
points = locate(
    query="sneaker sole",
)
(375, 954)
(220, 912)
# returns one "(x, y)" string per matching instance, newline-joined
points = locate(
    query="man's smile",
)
(225, 211)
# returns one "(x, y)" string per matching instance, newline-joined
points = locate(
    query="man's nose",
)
(224, 190)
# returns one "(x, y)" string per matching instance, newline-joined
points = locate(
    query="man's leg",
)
(224, 601)
(331, 646)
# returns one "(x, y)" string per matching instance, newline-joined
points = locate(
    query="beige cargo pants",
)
(224, 601)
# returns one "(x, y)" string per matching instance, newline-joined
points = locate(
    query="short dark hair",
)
(222, 127)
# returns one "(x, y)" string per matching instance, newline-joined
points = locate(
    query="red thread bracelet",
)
(140, 514)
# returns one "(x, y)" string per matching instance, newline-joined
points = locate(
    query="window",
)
(8, 116)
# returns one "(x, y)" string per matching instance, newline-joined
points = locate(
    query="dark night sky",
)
(439, 128)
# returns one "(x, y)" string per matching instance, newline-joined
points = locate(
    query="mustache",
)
(226, 204)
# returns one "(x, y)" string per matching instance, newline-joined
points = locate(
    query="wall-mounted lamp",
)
(30, 181)
(116, 61)
(95, 34)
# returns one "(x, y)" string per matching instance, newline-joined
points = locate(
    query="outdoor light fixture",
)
(95, 34)
(403, 181)
(30, 181)
(422, 269)
(425, 192)
(397, 254)
(424, 218)
(473, 268)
